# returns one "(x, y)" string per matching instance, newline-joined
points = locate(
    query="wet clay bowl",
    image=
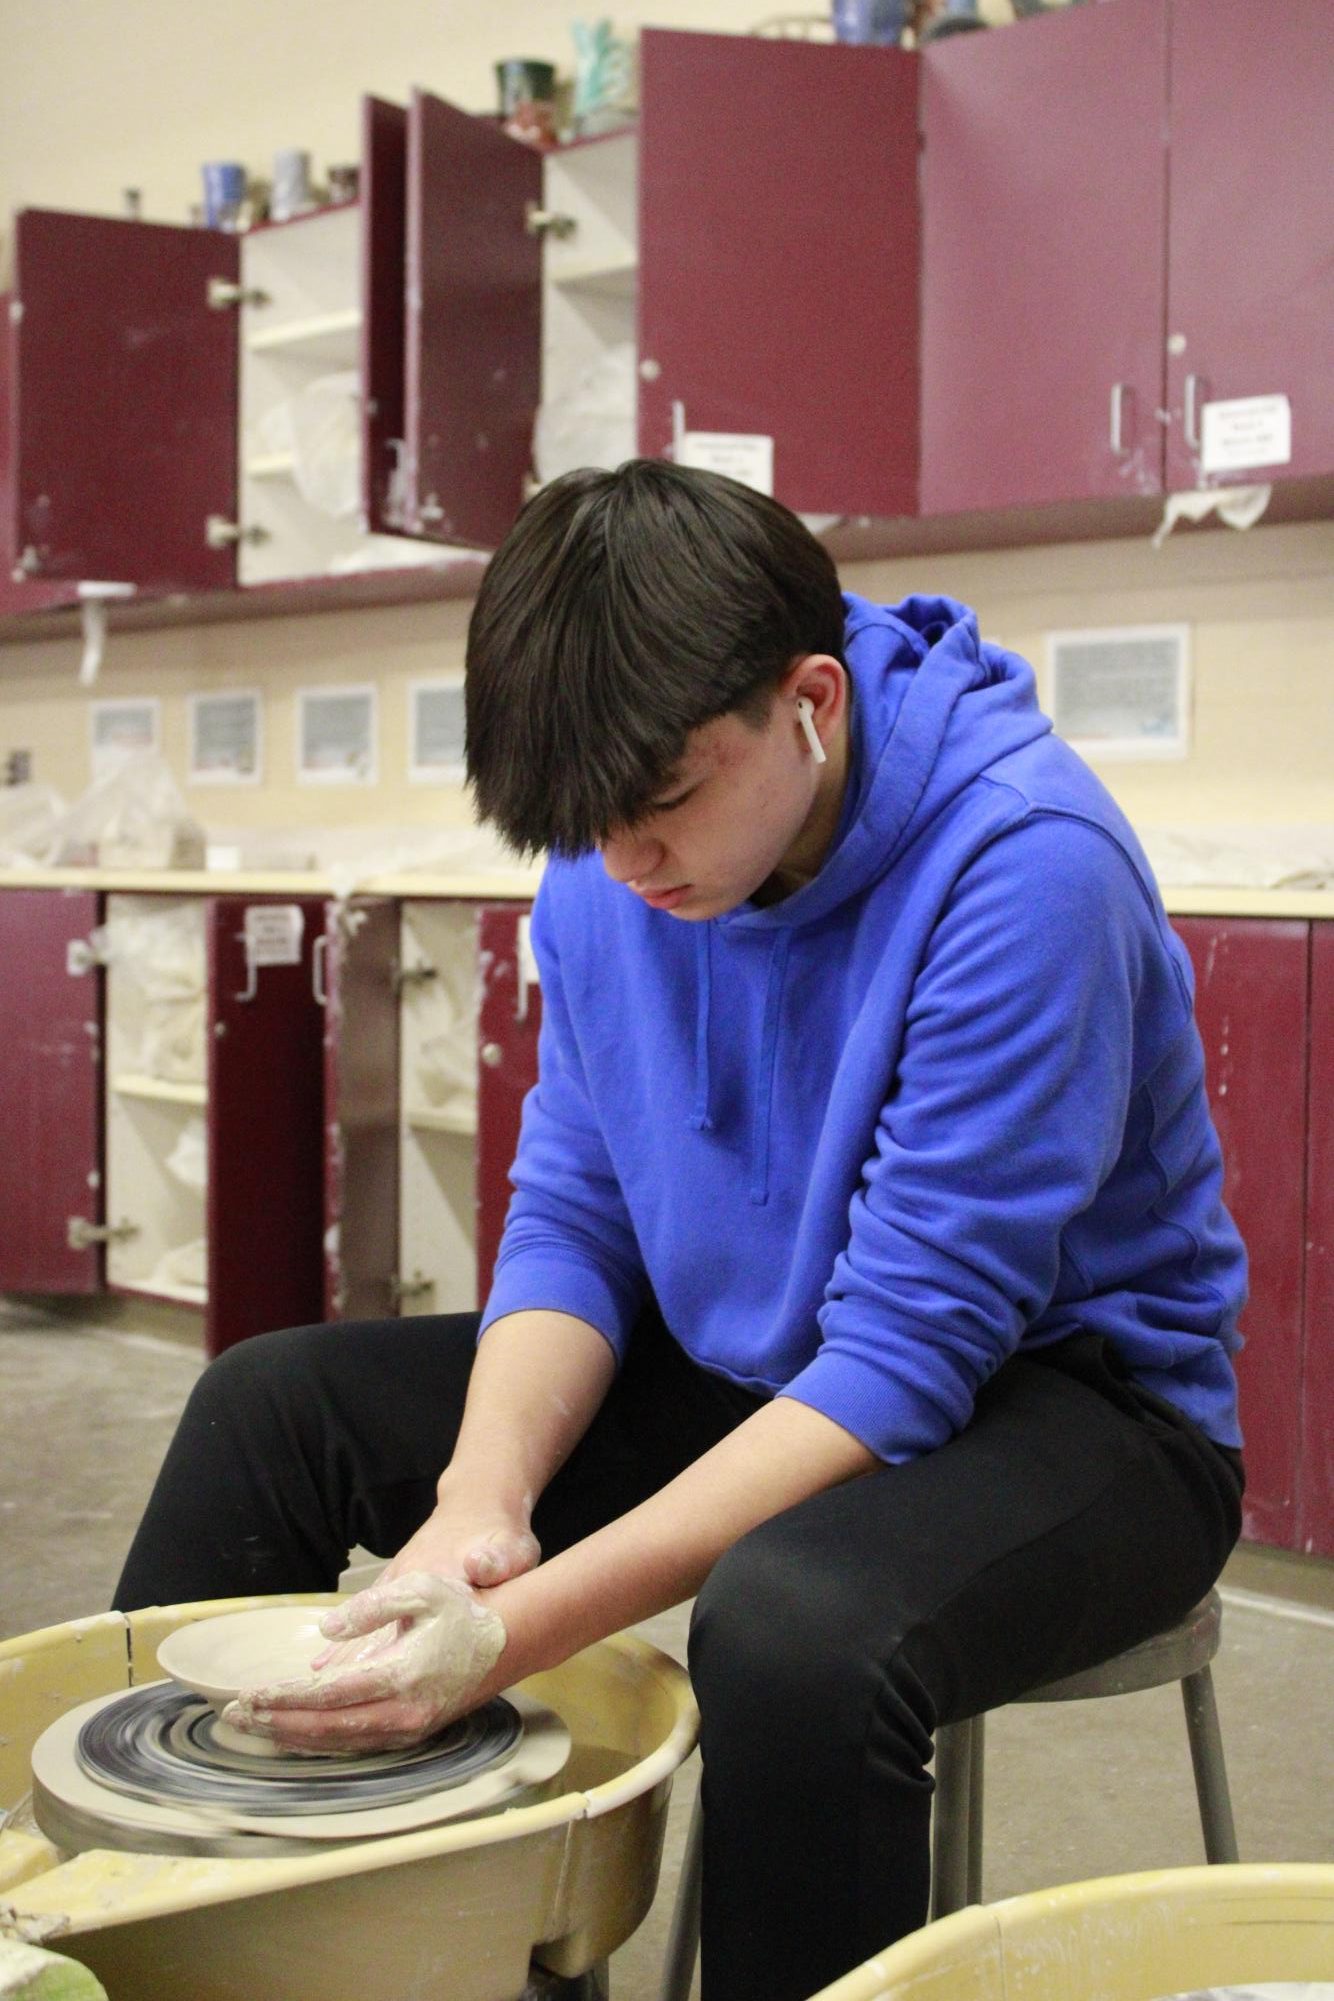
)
(217, 1658)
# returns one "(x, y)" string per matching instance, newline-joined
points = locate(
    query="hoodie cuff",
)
(889, 1418)
(535, 1284)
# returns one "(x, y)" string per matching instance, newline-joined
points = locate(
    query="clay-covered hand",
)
(470, 1537)
(410, 1653)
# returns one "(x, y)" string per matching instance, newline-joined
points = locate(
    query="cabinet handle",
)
(317, 958)
(1117, 419)
(1191, 413)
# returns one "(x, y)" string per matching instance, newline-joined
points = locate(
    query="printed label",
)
(1244, 433)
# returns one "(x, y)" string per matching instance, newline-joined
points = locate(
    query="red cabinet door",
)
(1044, 179)
(384, 152)
(51, 1091)
(1251, 278)
(124, 412)
(474, 325)
(508, 1024)
(18, 592)
(1252, 1002)
(361, 1110)
(779, 260)
(1315, 1527)
(264, 1209)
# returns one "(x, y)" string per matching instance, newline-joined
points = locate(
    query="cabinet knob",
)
(492, 1055)
(649, 369)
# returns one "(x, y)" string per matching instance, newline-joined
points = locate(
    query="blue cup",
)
(224, 193)
(881, 21)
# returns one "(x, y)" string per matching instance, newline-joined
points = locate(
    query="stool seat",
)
(1181, 1654)
(1183, 1650)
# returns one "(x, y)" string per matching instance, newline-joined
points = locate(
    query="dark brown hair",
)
(624, 610)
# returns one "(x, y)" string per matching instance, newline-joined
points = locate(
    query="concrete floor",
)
(88, 1401)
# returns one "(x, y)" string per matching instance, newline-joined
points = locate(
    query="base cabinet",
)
(1265, 1007)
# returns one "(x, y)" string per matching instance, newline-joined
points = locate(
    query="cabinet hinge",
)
(83, 954)
(82, 1235)
(223, 293)
(219, 533)
(539, 221)
(415, 976)
(415, 1287)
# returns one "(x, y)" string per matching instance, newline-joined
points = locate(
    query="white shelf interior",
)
(438, 1093)
(308, 329)
(590, 285)
(156, 1016)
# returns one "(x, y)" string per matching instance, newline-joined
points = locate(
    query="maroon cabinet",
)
(356, 982)
(264, 1131)
(1250, 276)
(123, 402)
(260, 1216)
(509, 1022)
(779, 260)
(1044, 181)
(51, 1091)
(1315, 1521)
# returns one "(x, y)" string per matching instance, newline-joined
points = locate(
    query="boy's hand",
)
(483, 1543)
(410, 1653)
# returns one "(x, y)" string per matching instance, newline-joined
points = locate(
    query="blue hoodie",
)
(944, 1101)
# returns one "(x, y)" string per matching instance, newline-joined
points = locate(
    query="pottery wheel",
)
(151, 1769)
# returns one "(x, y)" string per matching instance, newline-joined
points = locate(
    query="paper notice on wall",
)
(437, 734)
(336, 739)
(273, 933)
(739, 456)
(225, 739)
(1245, 432)
(123, 729)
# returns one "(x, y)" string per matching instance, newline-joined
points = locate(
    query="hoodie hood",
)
(933, 706)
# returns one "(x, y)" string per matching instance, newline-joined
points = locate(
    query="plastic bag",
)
(594, 423)
(188, 1159)
(326, 444)
(135, 817)
(162, 951)
(183, 1264)
(29, 816)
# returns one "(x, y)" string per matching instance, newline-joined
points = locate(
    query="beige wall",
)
(1260, 607)
(95, 96)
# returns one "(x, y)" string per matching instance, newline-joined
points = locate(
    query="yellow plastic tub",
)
(1118, 1938)
(455, 1910)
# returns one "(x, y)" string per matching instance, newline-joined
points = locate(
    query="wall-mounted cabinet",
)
(1124, 225)
(1020, 282)
(780, 260)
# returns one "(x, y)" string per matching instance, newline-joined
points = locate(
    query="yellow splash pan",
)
(454, 1910)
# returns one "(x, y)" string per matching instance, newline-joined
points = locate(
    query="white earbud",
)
(806, 717)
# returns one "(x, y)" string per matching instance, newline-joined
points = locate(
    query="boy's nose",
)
(628, 857)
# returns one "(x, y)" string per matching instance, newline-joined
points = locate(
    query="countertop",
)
(519, 885)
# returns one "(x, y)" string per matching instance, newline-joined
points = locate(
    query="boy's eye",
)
(670, 805)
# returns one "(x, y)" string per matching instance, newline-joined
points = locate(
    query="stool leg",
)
(976, 1762)
(950, 1832)
(683, 1939)
(1206, 1755)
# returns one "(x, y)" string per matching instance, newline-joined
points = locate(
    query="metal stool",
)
(1182, 1654)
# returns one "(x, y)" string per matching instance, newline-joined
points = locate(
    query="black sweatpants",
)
(1075, 1516)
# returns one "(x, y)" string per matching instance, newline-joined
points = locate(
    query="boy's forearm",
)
(537, 1382)
(661, 1551)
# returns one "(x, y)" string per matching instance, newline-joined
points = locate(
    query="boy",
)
(866, 1274)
